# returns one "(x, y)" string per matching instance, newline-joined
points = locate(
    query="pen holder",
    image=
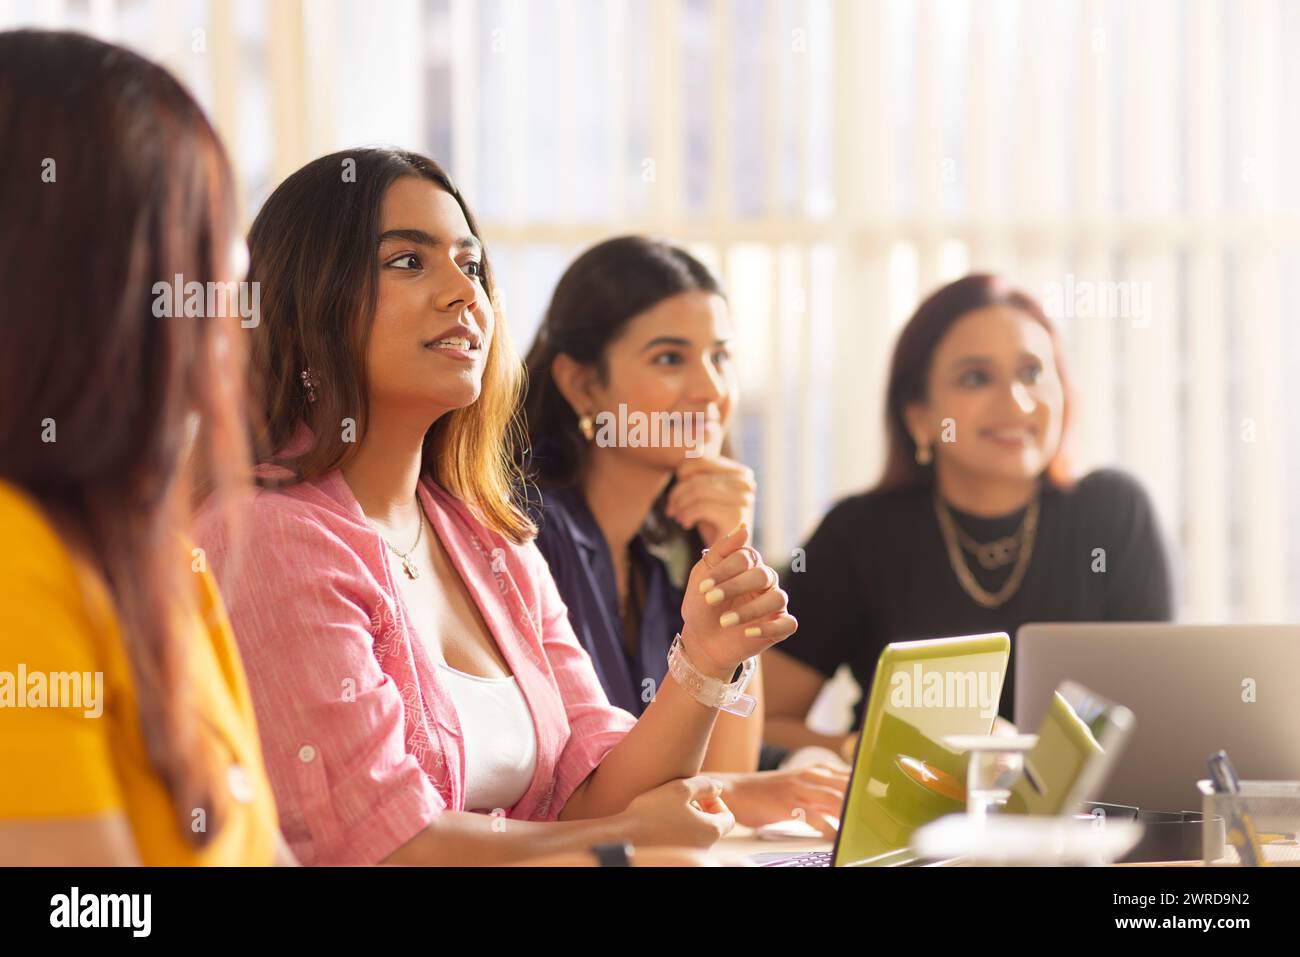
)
(1273, 807)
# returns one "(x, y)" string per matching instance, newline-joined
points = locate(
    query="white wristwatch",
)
(711, 692)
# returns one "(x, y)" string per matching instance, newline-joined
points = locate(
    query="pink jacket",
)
(362, 744)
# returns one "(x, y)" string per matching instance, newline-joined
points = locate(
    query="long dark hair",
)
(112, 180)
(909, 371)
(602, 291)
(313, 247)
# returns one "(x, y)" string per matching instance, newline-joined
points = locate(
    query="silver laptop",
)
(1194, 689)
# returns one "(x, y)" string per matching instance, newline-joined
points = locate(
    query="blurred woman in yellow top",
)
(126, 731)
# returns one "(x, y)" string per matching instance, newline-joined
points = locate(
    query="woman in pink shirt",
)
(408, 654)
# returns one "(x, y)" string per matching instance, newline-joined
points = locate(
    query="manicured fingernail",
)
(753, 632)
(729, 619)
(714, 596)
(706, 585)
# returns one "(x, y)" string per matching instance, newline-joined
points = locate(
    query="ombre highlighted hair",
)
(312, 249)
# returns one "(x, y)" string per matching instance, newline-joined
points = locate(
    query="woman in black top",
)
(976, 525)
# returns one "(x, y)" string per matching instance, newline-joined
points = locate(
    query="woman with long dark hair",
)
(639, 333)
(130, 737)
(406, 648)
(977, 524)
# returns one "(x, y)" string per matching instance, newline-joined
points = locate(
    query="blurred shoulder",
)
(52, 608)
(875, 510)
(562, 522)
(552, 509)
(1109, 491)
(28, 541)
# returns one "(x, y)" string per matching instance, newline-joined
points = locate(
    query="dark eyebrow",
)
(986, 360)
(676, 341)
(421, 238)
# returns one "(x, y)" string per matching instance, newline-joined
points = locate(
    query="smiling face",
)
(994, 375)
(433, 322)
(671, 358)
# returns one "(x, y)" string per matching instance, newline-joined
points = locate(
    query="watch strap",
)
(613, 855)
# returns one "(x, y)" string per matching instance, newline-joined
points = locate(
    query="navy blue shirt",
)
(583, 569)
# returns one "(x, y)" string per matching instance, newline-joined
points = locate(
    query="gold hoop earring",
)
(587, 427)
(923, 455)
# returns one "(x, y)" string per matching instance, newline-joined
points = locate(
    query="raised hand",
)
(733, 608)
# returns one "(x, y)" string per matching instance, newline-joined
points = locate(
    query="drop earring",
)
(923, 454)
(587, 427)
(309, 382)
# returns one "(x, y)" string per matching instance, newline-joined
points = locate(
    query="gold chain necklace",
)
(412, 570)
(994, 554)
(1023, 541)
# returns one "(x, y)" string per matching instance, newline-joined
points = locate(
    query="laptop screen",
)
(903, 777)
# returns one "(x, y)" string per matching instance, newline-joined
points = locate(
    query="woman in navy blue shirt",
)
(630, 392)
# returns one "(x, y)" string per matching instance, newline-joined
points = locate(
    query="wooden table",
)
(741, 842)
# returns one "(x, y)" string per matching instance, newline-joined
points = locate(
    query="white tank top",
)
(499, 738)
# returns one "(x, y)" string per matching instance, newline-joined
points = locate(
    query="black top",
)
(877, 570)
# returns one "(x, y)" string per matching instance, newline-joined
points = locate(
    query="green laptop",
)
(903, 777)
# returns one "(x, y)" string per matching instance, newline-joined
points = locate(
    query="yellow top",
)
(58, 632)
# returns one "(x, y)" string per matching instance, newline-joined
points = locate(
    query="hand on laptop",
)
(814, 794)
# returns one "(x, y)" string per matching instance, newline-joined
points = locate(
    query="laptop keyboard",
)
(811, 859)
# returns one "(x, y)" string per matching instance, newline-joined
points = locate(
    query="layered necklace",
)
(1014, 550)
